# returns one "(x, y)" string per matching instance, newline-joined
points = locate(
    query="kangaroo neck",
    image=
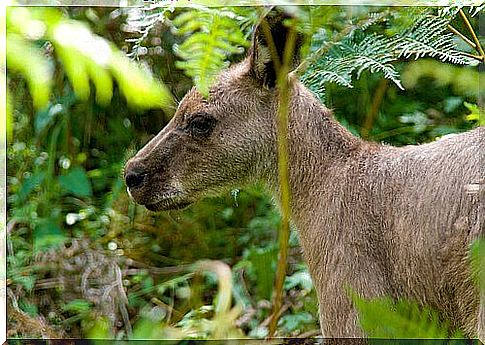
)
(318, 148)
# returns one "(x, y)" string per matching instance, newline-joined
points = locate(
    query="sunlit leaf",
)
(137, 86)
(475, 114)
(86, 58)
(103, 84)
(75, 68)
(24, 57)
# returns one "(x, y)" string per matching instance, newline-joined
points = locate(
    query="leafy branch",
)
(356, 49)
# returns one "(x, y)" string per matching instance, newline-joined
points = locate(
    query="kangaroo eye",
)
(201, 126)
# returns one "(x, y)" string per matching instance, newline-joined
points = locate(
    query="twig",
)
(463, 37)
(376, 103)
(158, 270)
(11, 225)
(124, 302)
(474, 36)
(272, 317)
(170, 308)
(48, 283)
(476, 57)
(27, 322)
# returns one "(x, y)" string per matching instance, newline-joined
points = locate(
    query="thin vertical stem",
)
(374, 110)
(284, 233)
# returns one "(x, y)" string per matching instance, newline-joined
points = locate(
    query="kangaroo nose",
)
(134, 178)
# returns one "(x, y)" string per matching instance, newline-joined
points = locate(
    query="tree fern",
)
(429, 37)
(212, 35)
(366, 46)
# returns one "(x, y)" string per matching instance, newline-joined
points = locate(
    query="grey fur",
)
(381, 219)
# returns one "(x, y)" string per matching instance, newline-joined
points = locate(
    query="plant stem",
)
(282, 69)
(463, 37)
(474, 36)
(376, 103)
(476, 57)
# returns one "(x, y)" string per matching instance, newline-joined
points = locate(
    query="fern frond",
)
(474, 10)
(420, 34)
(212, 35)
(375, 18)
(429, 37)
(353, 55)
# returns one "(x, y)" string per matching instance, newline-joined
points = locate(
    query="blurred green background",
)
(87, 87)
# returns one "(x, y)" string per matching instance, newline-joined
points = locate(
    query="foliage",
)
(34, 35)
(211, 35)
(477, 259)
(84, 261)
(404, 319)
(375, 43)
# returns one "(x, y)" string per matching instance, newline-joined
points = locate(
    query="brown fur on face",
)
(380, 219)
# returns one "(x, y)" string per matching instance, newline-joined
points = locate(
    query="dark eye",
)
(201, 125)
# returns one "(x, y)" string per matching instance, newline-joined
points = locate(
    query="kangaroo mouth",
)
(173, 200)
(167, 205)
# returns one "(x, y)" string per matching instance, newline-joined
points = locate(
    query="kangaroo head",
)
(215, 143)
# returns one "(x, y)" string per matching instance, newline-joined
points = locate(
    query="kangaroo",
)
(382, 220)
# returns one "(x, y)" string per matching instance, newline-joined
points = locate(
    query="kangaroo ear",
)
(269, 40)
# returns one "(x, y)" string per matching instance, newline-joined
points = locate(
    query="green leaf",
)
(98, 328)
(77, 306)
(294, 322)
(477, 258)
(475, 114)
(47, 235)
(385, 318)
(356, 48)
(24, 57)
(353, 54)
(46, 116)
(86, 58)
(28, 282)
(137, 85)
(263, 263)
(429, 36)
(301, 278)
(29, 308)
(76, 182)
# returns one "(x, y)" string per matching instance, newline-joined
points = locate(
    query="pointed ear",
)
(268, 46)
